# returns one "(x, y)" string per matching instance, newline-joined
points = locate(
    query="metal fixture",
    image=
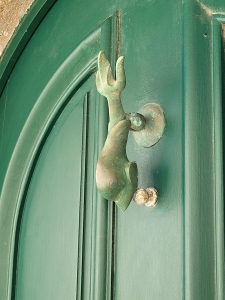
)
(116, 176)
(148, 196)
(154, 125)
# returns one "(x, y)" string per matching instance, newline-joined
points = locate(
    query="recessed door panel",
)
(48, 242)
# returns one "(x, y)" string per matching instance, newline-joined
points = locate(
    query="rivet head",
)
(137, 121)
(113, 184)
(148, 197)
(153, 197)
(141, 196)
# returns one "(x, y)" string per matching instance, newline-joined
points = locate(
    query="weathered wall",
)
(11, 11)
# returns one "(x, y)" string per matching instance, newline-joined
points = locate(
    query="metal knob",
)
(148, 197)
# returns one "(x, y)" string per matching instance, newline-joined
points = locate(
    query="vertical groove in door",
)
(82, 201)
(86, 208)
(87, 222)
(95, 216)
(218, 59)
(219, 47)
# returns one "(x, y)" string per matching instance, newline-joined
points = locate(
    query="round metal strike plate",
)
(154, 126)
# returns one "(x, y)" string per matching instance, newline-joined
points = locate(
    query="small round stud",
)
(141, 196)
(137, 121)
(152, 197)
(148, 196)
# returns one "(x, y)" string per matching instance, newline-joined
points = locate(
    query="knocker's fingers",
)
(110, 79)
(120, 74)
(103, 67)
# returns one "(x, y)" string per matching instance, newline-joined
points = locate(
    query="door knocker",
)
(116, 176)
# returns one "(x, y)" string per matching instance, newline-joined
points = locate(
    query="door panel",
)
(49, 235)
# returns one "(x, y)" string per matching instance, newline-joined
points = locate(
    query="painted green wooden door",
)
(58, 238)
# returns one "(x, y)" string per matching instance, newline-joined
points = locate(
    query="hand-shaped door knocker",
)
(116, 176)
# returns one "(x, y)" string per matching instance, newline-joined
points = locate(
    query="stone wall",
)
(11, 11)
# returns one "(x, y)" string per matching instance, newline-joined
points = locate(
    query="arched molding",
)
(71, 75)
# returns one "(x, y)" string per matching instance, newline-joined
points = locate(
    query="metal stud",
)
(148, 197)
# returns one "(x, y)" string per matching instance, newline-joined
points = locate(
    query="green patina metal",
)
(116, 176)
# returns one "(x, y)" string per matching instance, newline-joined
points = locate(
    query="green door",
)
(59, 239)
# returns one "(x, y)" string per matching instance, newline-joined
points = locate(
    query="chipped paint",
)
(207, 10)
